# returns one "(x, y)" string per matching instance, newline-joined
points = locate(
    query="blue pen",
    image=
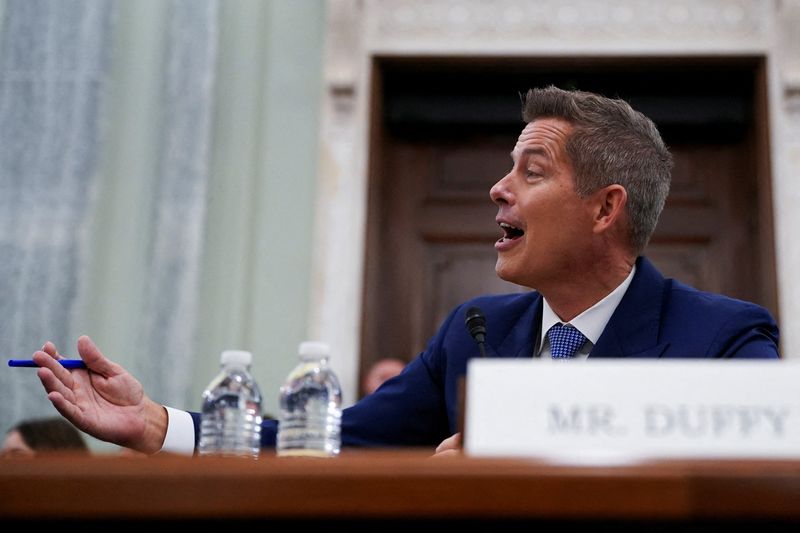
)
(66, 363)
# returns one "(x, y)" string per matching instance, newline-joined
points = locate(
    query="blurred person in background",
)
(33, 437)
(383, 370)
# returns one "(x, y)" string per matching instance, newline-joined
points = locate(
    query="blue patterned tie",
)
(564, 341)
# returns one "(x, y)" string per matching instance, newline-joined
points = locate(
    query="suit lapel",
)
(520, 340)
(633, 329)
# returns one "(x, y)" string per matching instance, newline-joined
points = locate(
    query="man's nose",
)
(500, 192)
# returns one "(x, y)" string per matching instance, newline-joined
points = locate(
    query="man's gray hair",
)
(610, 144)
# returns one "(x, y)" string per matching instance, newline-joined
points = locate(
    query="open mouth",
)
(511, 232)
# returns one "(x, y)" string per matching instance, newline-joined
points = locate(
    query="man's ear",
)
(609, 207)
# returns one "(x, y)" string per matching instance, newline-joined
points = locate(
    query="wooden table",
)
(371, 486)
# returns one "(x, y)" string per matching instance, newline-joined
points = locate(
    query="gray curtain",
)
(179, 202)
(56, 69)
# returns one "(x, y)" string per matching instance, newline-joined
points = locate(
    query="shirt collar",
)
(591, 322)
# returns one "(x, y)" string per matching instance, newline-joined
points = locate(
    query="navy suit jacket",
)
(657, 318)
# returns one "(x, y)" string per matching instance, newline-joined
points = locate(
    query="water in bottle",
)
(231, 416)
(310, 406)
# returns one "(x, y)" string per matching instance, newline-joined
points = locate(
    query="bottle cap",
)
(236, 357)
(314, 349)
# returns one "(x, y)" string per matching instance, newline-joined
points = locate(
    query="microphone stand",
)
(475, 322)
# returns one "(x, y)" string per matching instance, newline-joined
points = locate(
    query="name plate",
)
(628, 410)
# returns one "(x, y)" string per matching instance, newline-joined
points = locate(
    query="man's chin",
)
(506, 273)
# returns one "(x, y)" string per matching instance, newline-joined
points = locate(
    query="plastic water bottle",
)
(231, 417)
(310, 406)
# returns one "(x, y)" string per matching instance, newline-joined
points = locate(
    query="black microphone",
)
(476, 324)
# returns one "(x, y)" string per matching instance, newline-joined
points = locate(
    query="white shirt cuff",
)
(180, 432)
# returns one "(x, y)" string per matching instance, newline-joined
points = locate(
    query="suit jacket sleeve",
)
(409, 409)
(749, 334)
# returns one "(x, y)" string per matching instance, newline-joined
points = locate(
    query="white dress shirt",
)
(180, 432)
(591, 322)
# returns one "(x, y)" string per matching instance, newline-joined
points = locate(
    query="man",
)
(379, 373)
(589, 179)
(44, 435)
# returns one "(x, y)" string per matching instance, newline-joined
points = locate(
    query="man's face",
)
(547, 227)
(14, 445)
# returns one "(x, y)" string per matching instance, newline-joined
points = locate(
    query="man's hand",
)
(104, 400)
(449, 447)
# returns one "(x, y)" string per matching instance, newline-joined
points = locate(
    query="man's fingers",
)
(94, 358)
(53, 384)
(447, 453)
(45, 360)
(50, 349)
(67, 409)
(451, 443)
